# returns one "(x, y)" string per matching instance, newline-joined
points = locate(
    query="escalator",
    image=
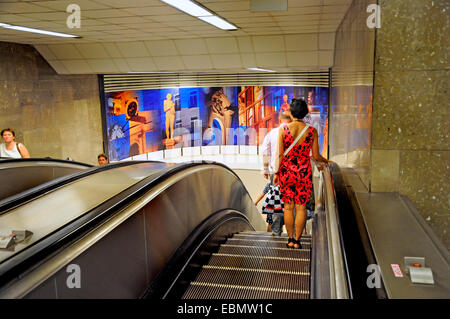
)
(31, 172)
(158, 230)
(255, 265)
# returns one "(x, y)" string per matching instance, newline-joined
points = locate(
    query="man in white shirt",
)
(269, 146)
(269, 151)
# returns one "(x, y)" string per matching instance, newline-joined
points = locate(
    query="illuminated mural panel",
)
(146, 121)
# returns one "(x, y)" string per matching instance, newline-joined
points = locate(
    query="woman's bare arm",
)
(315, 150)
(23, 151)
(279, 155)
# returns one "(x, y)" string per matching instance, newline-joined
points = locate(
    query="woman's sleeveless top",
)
(14, 153)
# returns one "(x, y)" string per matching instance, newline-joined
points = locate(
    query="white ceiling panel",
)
(248, 60)
(132, 49)
(302, 42)
(103, 66)
(61, 5)
(266, 60)
(92, 51)
(58, 66)
(141, 64)
(304, 59)
(169, 63)
(268, 43)
(77, 66)
(146, 35)
(65, 51)
(226, 61)
(19, 7)
(162, 47)
(191, 46)
(222, 46)
(197, 62)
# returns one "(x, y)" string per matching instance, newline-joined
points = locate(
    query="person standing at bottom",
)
(295, 141)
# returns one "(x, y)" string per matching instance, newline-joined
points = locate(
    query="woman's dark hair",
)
(8, 130)
(299, 108)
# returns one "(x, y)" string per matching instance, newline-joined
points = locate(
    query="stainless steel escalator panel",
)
(164, 224)
(59, 207)
(27, 174)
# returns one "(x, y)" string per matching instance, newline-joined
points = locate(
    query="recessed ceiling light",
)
(218, 22)
(261, 70)
(194, 9)
(19, 28)
(189, 7)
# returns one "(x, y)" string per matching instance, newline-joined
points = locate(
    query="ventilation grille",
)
(126, 82)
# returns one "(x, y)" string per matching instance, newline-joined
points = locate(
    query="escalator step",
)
(269, 237)
(259, 263)
(199, 290)
(261, 251)
(298, 282)
(264, 233)
(263, 243)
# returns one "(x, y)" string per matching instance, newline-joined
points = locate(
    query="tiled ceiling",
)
(120, 36)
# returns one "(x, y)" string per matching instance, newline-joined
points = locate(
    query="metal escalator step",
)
(264, 233)
(261, 251)
(263, 243)
(200, 290)
(238, 261)
(254, 278)
(269, 237)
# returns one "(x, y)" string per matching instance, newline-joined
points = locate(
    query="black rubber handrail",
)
(357, 249)
(32, 193)
(15, 265)
(44, 159)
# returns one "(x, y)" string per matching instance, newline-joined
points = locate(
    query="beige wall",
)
(53, 115)
(411, 145)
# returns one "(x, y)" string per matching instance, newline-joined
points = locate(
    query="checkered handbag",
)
(273, 203)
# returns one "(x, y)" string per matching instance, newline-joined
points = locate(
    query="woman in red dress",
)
(294, 173)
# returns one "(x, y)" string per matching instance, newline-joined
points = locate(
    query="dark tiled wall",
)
(53, 115)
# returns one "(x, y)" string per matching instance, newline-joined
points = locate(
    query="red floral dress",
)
(295, 169)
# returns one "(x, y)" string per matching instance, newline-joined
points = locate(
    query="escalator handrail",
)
(44, 159)
(338, 270)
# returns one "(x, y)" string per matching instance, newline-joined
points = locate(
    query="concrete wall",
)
(53, 115)
(411, 109)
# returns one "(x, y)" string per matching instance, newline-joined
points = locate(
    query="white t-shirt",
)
(14, 153)
(269, 147)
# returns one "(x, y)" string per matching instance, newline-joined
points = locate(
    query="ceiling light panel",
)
(188, 7)
(196, 10)
(218, 22)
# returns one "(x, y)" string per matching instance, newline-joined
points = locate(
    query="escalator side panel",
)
(164, 222)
